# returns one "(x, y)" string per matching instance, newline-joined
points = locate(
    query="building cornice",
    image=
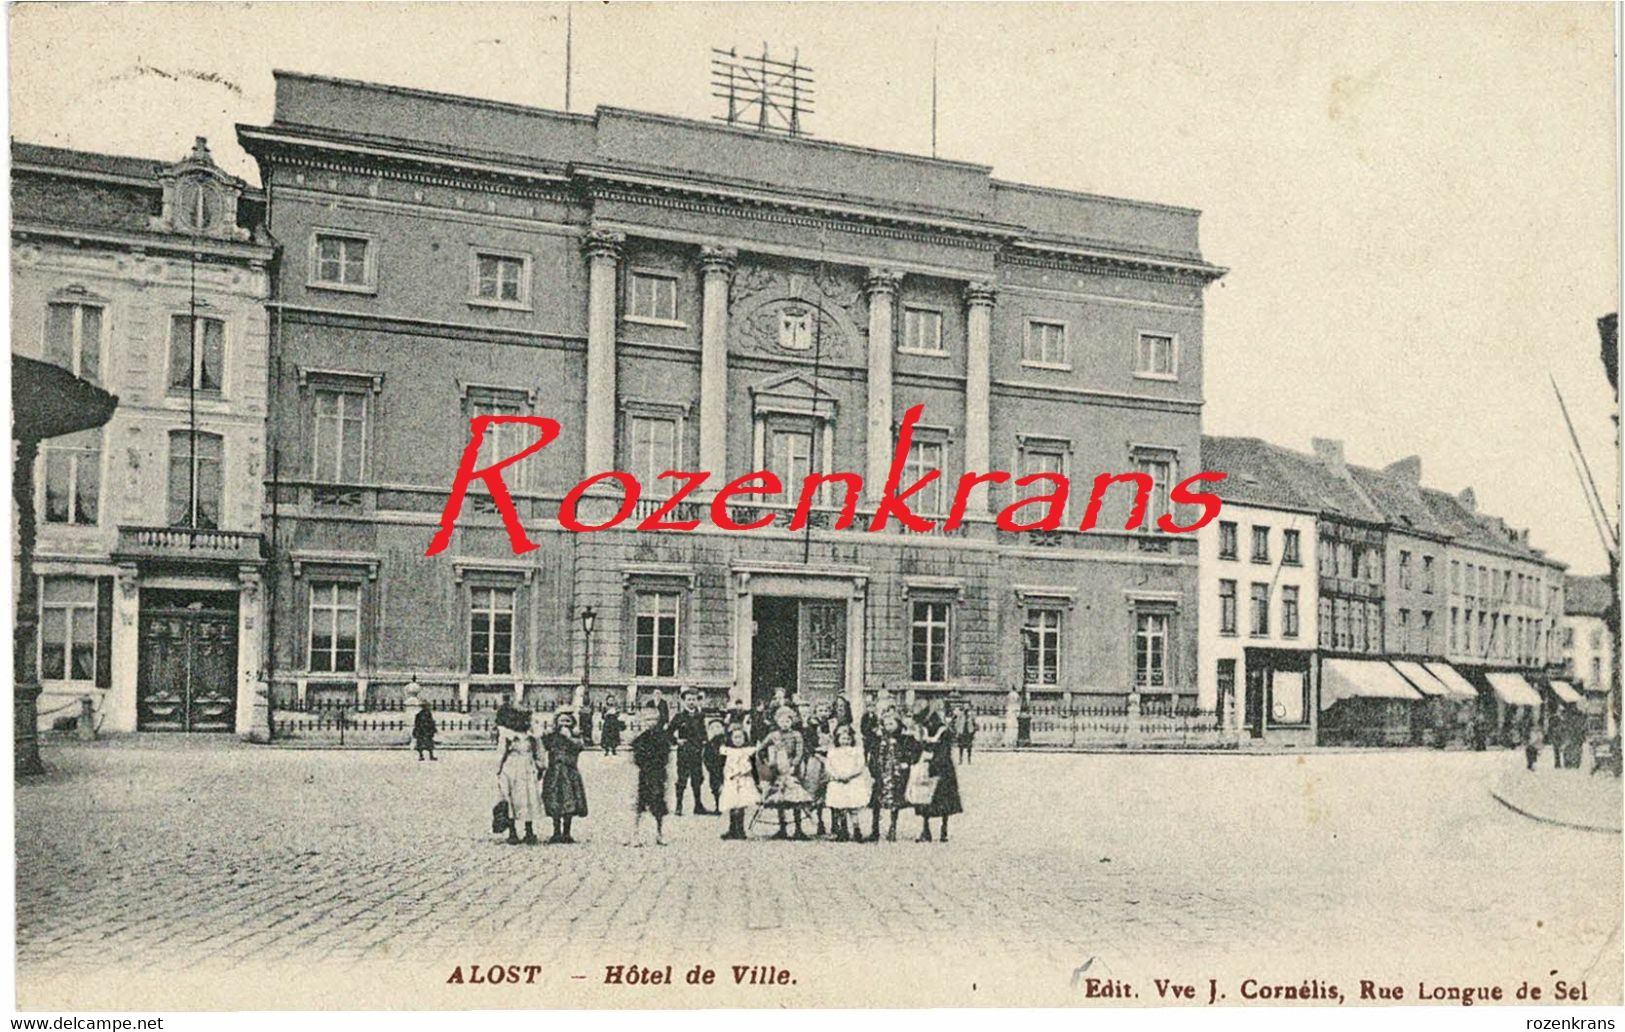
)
(1126, 264)
(250, 254)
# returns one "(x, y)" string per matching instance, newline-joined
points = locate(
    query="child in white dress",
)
(849, 784)
(738, 781)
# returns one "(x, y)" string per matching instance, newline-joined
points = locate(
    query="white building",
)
(139, 276)
(1589, 651)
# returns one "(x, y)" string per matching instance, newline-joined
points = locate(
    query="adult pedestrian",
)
(937, 741)
(609, 730)
(423, 731)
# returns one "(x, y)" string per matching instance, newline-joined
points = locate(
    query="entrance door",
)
(823, 649)
(1257, 692)
(775, 655)
(188, 678)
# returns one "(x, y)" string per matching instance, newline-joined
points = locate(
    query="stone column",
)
(882, 290)
(603, 249)
(119, 713)
(979, 299)
(716, 268)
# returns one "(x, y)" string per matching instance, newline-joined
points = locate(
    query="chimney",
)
(1468, 500)
(1329, 453)
(1408, 469)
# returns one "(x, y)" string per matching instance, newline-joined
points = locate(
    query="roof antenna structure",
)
(762, 92)
(569, 37)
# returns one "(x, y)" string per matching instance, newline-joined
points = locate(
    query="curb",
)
(1551, 820)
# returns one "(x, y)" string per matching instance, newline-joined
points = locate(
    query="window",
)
(335, 619)
(653, 296)
(1261, 544)
(928, 639)
(194, 479)
(490, 630)
(343, 262)
(338, 435)
(1404, 569)
(654, 652)
(653, 447)
(1261, 610)
(1041, 646)
(197, 353)
(1323, 616)
(1402, 633)
(67, 629)
(1342, 638)
(1039, 455)
(1289, 611)
(923, 457)
(1227, 607)
(73, 477)
(1373, 620)
(1357, 627)
(1045, 344)
(1155, 356)
(1455, 629)
(790, 456)
(502, 439)
(1596, 672)
(502, 279)
(73, 338)
(922, 331)
(1160, 470)
(1455, 575)
(1427, 574)
(1290, 548)
(1227, 540)
(1151, 650)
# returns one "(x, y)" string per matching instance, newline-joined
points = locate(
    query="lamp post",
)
(589, 617)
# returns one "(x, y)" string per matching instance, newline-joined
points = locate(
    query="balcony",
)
(189, 544)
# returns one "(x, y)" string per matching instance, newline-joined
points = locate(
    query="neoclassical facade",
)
(687, 296)
(144, 277)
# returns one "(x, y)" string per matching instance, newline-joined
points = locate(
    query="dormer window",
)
(200, 199)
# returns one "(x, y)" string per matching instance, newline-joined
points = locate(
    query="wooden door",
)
(823, 649)
(188, 673)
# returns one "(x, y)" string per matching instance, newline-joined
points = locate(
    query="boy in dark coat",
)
(651, 753)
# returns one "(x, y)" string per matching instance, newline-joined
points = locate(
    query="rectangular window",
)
(1342, 638)
(654, 652)
(1041, 646)
(195, 483)
(1455, 576)
(653, 450)
(790, 458)
(1151, 650)
(338, 435)
(490, 630)
(342, 261)
(1424, 632)
(1227, 540)
(928, 641)
(1455, 630)
(1227, 607)
(73, 339)
(1357, 627)
(1427, 574)
(1373, 619)
(67, 629)
(1261, 544)
(923, 457)
(1290, 548)
(1261, 610)
(501, 279)
(1404, 569)
(335, 620)
(1323, 615)
(197, 354)
(1160, 470)
(1155, 356)
(652, 296)
(73, 477)
(502, 439)
(1289, 611)
(922, 330)
(1045, 344)
(1402, 633)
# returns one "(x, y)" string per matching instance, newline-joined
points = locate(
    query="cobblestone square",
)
(195, 872)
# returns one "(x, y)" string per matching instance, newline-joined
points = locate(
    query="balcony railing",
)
(193, 543)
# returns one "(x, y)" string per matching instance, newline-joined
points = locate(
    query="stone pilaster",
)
(603, 248)
(979, 298)
(881, 288)
(716, 269)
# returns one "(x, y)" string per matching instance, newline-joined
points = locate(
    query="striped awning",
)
(1565, 691)
(1451, 678)
(1361, 679)
(1420, 678)
(1512, 689)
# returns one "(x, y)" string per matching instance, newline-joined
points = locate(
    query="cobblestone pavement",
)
(204, 872)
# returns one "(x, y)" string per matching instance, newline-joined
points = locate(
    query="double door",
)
(188, 675)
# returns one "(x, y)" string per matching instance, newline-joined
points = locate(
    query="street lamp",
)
(589, 617)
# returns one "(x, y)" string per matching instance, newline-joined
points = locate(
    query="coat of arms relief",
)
(810, 315)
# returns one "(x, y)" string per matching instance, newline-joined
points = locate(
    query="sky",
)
(1417, 203)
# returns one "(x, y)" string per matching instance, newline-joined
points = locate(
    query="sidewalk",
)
(1568, 798)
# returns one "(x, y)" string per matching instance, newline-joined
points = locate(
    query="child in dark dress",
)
(713, 759)
(609, 731)
(564, 795)
(651, 752)
(423, 732)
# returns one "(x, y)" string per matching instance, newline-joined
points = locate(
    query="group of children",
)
(799, 767)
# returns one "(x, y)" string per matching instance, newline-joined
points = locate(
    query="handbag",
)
(501, 821)
(922, 785)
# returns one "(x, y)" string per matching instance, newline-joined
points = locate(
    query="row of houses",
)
(297, 363)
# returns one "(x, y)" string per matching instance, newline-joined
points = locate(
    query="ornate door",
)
(823, 649)
(188, 679)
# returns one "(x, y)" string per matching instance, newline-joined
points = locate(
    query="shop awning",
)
(1361, 679)
(1451, 678)
(1565, 691)
(1512, 688)
(1419, 677)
